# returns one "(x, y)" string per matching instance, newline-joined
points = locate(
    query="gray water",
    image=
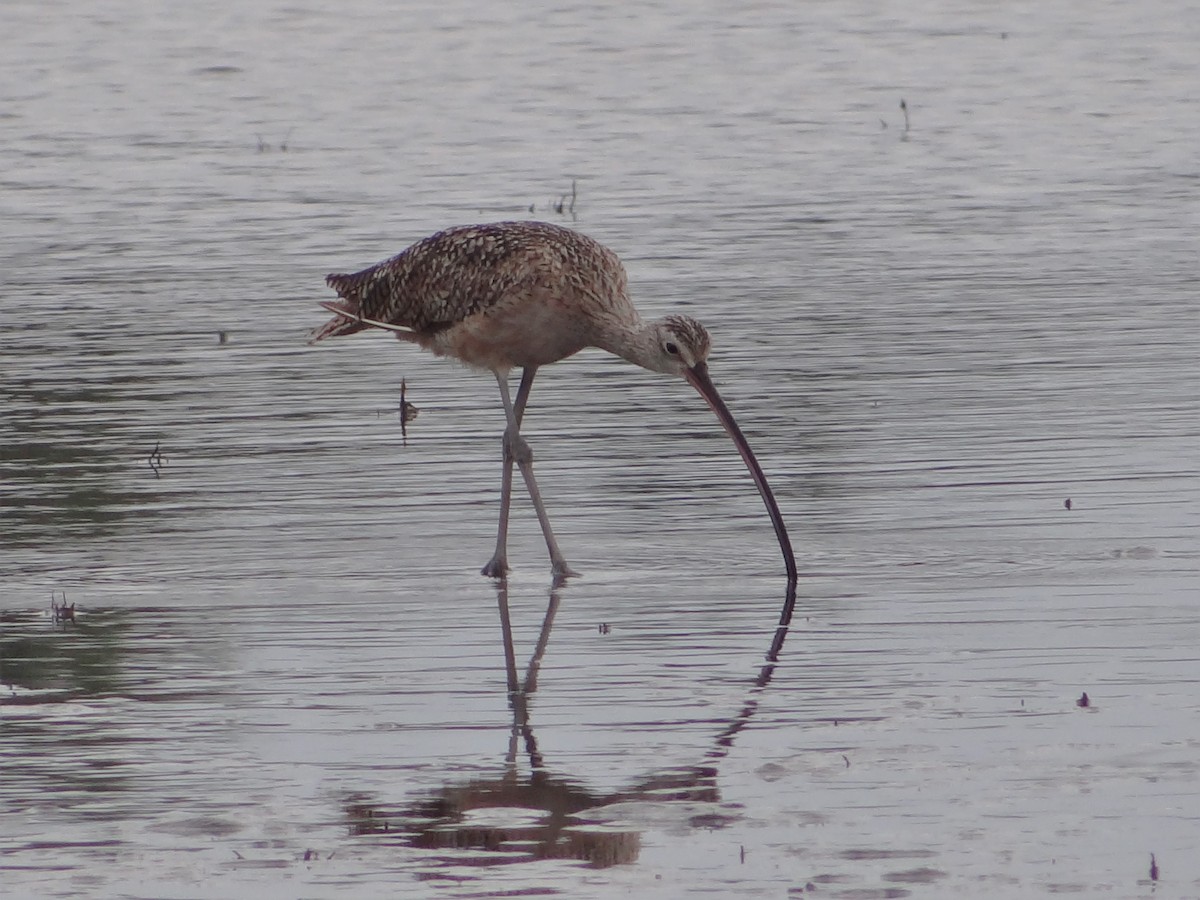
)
(285, 676)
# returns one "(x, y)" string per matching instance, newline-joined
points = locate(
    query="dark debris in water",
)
(61, 612)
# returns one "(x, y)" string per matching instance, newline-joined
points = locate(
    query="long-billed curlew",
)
(527, 294)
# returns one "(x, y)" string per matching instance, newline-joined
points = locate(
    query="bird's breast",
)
(513, 335)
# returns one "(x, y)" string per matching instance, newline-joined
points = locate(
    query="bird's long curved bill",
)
(697, 377)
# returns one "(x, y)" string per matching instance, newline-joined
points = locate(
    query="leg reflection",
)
(514, 815)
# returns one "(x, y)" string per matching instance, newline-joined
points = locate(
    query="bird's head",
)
(680, 344)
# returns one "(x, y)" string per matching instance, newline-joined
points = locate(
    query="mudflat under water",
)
(285, 676)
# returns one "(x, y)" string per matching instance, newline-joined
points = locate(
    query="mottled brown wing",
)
(451, 275)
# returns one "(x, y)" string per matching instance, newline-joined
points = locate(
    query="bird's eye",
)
(671, 348)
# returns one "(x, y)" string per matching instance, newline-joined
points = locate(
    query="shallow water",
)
(286, 677)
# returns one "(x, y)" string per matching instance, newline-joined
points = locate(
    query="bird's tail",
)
(346, 309)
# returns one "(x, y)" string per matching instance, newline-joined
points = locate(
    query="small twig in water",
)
(62, 613)
(408, 411)
(562, 205)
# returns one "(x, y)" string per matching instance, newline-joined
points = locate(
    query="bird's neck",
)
(631, 339)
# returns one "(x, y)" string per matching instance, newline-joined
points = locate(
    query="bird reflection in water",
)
(518, 818)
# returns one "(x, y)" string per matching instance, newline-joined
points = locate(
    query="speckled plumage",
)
(495, 296)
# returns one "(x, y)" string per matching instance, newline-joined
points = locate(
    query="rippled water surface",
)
(964, 350)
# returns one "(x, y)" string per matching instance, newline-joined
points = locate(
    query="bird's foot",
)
(560, 571)
(497, 567)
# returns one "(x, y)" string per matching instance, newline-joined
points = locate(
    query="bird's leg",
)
(521, 455)
(497, 566)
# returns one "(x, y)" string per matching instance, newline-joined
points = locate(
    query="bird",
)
(508, 295)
